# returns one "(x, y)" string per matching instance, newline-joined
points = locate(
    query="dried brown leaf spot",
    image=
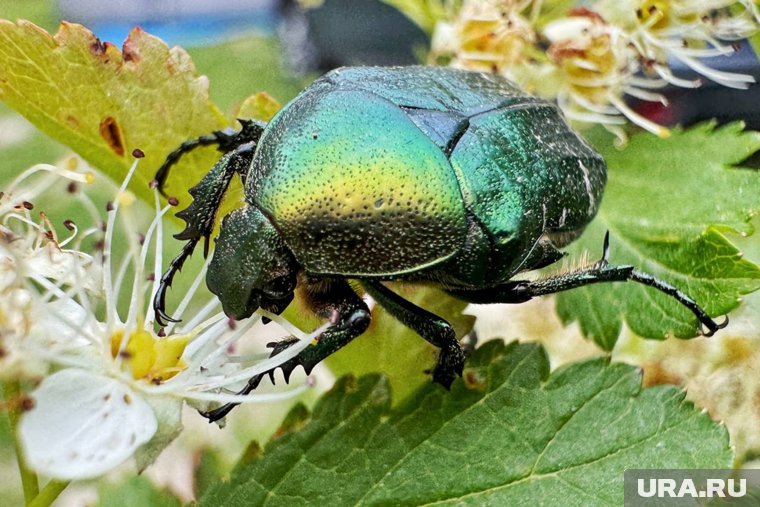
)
(109, 130)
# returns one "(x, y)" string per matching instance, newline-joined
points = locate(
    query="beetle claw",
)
(606, 247)
(162, 318)
(450, 364)
(712, 327)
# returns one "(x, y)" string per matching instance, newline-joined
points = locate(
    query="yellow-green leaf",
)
(103, 103)
(260, 106)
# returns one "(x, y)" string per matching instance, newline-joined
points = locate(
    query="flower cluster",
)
(34, 265)
(111, 384)
(590, 58)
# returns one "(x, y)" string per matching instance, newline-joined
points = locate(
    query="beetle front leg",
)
(331, 299)
(199, 217)
(335, 300)
(226, 141)
(520, 291)
(428, 325)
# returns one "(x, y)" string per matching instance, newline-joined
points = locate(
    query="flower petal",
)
(83, 424)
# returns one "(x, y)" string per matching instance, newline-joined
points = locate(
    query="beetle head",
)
(251, 267)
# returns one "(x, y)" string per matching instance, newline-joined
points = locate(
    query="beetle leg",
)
(519, 291)
(199, 217)
(333, 299)
(428, 325)
(227, 140)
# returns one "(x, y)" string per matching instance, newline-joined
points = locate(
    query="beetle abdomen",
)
(356, 188)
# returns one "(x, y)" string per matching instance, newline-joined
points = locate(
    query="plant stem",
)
(48, 494)
(12, 391)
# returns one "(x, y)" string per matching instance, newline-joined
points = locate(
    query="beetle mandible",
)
(424, 174)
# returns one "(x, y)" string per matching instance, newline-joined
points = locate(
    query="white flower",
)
(119, 384)
(31, 251)
(487, 35)
(597, 66)
(687, 31)
(599, 53)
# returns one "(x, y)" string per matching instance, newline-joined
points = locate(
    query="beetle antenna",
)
(159, 302)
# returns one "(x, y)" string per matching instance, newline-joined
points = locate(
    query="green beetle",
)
(424, 174)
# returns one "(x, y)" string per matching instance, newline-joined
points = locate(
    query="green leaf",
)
(667, 206)
(509, 434)
(208, 470)
(236, 68)
(103, 103)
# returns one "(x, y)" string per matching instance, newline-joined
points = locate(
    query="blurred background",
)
(243, 46)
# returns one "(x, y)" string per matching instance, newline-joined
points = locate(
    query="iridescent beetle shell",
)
(424, 172)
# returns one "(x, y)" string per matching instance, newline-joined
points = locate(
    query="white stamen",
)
(111, 311)
(639, 120)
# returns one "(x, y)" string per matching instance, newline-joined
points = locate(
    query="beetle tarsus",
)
(450, 365)
(712, 329)
(227, 140)
(689, 303)
(520, 291)
(186, 147)
(159, 301)
(199, 216)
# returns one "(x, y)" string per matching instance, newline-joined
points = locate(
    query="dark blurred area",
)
(331, 34)
(349, 32)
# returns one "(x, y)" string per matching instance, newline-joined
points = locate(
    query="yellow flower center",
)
(490, 42)
(654, 13)
(661, 14)
(590, 61)
(150, 357)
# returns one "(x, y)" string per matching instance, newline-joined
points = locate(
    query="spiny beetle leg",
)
(327, 298)
(429, 326)
(207, 195)
(199, 218)
(519, 291)
(159, 301)
(227, 140)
